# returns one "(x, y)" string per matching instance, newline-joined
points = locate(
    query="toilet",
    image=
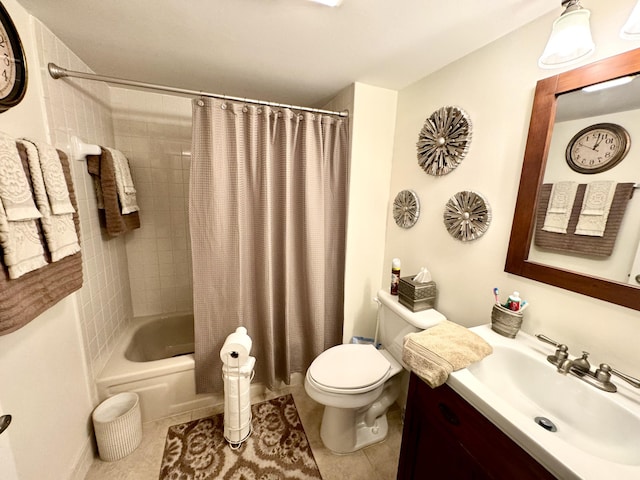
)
(357, 383)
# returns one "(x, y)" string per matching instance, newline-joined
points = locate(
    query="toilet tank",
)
(396, 320)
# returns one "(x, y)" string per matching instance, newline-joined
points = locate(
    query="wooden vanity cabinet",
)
(445, 438)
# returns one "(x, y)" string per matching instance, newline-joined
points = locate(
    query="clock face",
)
(13, 67)
(598, 148)
(7, 64)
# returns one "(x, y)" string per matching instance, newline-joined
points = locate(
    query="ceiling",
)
(287, 51)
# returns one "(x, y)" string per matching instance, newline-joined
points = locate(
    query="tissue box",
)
(416, 296)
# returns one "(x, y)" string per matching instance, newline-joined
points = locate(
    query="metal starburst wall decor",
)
(444, 140)
(406, 208)
(467, 216)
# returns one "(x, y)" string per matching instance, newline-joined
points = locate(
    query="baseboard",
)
(85, 459)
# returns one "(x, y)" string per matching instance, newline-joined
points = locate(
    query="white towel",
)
(563, 194)
(14, 188)
(124, 182)
(53, 177)
(59, 228)
(596, 205)
(23, 251)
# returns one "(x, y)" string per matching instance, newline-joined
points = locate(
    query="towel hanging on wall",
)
(24, 298)
(22, 249)
(52, 197)
(103, 170)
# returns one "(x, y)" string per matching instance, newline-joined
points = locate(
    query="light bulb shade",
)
(570, 40)
(631, 29)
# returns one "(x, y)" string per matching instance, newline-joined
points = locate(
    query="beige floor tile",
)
(377, 462)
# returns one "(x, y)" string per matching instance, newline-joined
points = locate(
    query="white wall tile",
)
(154, 130)
(82, 108)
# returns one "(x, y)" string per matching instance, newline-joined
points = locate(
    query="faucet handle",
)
(559, 356)
(582, 364)
(545, 339)
(612, 371)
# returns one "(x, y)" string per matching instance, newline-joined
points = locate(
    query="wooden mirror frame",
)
(533, 168)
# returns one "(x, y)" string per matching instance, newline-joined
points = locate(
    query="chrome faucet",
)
(580, 367)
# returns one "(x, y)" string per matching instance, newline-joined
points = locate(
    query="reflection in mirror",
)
(617, 257)
(545, 162)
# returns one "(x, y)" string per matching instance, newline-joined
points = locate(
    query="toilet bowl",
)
(354, 383)
(357, 383)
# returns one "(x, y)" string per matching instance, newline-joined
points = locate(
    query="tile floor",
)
(377, 462)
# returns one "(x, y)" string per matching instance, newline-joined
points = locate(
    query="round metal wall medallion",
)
(444, 140)
(406, 208)
(467, 216)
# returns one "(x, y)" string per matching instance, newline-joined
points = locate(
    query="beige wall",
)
(495, 85)
(372, 112)
(372, 135)
(47, 368)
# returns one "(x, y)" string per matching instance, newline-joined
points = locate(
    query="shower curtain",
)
(267, 213)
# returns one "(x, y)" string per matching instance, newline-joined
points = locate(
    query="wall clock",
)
(598, 148)
(444, 140)
(406, 209)
(13, 65)
(467, 216)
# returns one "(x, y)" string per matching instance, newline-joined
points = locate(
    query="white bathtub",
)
(154, 359)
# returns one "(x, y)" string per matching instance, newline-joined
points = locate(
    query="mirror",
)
(539, 141)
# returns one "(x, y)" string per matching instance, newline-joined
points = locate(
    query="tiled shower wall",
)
(154, 131)
(82, 108)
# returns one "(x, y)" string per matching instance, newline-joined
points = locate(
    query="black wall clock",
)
(13, 65)
(598, 148)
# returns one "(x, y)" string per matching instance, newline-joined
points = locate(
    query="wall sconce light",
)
(631, 29)
(570, 40)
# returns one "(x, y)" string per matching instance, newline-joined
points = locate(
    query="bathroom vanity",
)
(514, 415)
(445, 437)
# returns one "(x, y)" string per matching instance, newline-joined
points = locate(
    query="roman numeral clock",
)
(13, 65)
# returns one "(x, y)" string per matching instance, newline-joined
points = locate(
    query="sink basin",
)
(572, 428)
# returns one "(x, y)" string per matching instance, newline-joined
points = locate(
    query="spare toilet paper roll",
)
(236, 348)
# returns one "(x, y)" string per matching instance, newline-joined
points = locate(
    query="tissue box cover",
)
(416, 296)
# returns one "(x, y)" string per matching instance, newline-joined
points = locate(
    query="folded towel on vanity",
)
(21, 245)
(102, 168)
(596, 205)
(563, 195)
(436, 352)
(52, 195)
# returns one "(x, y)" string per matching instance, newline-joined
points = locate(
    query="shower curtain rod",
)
(58, 72)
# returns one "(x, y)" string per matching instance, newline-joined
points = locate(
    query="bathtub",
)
(154, 358)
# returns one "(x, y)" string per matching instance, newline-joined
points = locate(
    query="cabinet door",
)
(446, 438)
(440, 456)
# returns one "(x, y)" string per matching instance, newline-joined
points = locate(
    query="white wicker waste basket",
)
(118, 426)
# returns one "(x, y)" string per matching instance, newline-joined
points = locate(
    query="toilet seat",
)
(349, 369)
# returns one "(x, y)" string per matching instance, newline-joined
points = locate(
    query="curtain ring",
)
(223, 106)
(245, 109)
(200, 102)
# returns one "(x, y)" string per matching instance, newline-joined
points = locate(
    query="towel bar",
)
(79, 150)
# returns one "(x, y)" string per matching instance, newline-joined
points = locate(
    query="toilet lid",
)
(349, 366)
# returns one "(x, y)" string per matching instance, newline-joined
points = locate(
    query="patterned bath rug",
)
(277, 448)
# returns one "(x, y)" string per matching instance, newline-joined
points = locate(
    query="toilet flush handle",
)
(5, 420)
